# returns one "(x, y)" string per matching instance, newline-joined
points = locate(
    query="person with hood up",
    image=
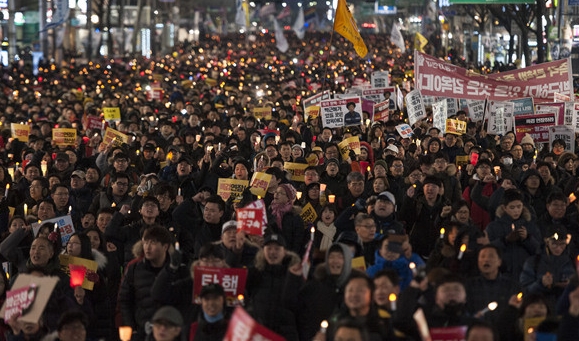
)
(324, 290)
(514, 233)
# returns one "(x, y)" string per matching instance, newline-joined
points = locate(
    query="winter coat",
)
(472, 194)
(514, 253)
(271, 294)
(320, 295)
(124, 237)
(480, 291)
(399, 265)
(292, 229)
(206, 331)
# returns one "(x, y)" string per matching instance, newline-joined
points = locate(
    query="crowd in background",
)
(446, 223)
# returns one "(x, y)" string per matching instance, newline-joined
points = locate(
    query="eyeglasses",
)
(122, 184)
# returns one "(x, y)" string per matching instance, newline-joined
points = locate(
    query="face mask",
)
(507, 161)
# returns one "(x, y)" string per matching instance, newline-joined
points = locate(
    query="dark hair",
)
(216, 200)
(57, 186)
(158, 233)
(164, 187)
(351, 323)
(356, 274)
(70, 317)
(493, 247)
(390, 274)
(211, 250)
(482, 324)
(529, 299)
(102, 245)
(556, 195)
(106, 210)
(48, 201)
(150, 198)
(120, 175)
(85, 247)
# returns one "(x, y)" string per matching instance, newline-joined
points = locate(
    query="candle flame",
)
(442, 230)
(312, 230)
(392, 297)
(324, 324)
(492, 306)
(412, 265)
(463, 248)
(520, 296)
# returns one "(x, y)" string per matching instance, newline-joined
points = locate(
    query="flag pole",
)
(328, 59)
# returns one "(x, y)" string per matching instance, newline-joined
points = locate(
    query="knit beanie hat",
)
(290, 191)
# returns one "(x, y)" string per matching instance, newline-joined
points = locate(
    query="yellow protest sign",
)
(259, 183)
(312, 159)
(312, 111)
(64, 136)
(351, 143)
(359, 263)
(309, 214)
(262, 113)
(20, 131)
(456, 127)
(231, 187)
(90, 265)
(112, 114)
(114, 137)
(297, 170)
(461, 160)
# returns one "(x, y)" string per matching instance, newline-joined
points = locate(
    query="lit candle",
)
(125, 333)
(520, 296)
(312, 232)
(179, 192)
(412, 267)
(572, 197)
(277, 138)
(535, 157)
(368, 169)
(55, 227)
(392, 299)
(177, 246)
(25, 209)
(6, 191)
(322, 187)
(11, 172)
(103, 126)
(257, 140)
(323, 326)
(513, 227)
(197, 137)
(303, 145)
(413, 185)
(43, 167)
(240, 299)
(219, 146)
(331, 198)
(69, 210)
(114, 204)
(298, 195)
(137, 152)
(490, 307)
(442, 233)
(461, 252)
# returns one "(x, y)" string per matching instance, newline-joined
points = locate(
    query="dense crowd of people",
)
(470, 230)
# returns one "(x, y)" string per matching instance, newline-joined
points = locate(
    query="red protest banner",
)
(232, 281)
(242, 327)
(249, 220)
(18, 300)
(448, 333)
(535, 125)
(438, 78)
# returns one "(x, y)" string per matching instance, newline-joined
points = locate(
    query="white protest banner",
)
(576, 111)
(377, 94)
(564, 133)
(64, 224)
(380, 79)
(337, 113)
(439, 115)
(552, 108)
(570, 118)
(399, 98)
(476, 110)
(315, 99)
(415, 107)
(451, 105)
(500, 117)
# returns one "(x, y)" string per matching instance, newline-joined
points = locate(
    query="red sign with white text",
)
(242, 327)
(232, 280)
(249, 220)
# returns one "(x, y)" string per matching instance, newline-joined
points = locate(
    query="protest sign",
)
(43, 287)
(64, 136)
(315, 100)
(380, 79)
(556, 108)
(297, 170)
(476, 110)
(569, 118)
(451, 105)
(262, 113)
(309, 214)
(351, 143)
(112, 114)
(90, 265)
(399, 98)
(557, 97)
(404, 130)
(231, 188)
(576, 113)
(93, 122)
(64, 224)
(259, 183)
(250, 220)
(260, 204)
(535, 125)
(448, 333)
(415, 107)
(20, 131)
(439, 115)
(523, 106)
(564, 133)
(114, 137)
(456, 127)
(312, 111)
(359, 263)
(434, 77)
(242, 327)
(231, 279)
(381, 112)
(337, 113)
(377, 94)
(500, 117)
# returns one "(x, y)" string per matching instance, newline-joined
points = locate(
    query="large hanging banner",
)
(438, 78)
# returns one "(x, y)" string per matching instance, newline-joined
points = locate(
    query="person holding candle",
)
(391, 255)
(284, 219)
(519, 243)
(447, 252)
(332, 177)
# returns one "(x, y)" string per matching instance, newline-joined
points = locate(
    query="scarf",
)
(213, 319)
(328, 233)
(279, 211)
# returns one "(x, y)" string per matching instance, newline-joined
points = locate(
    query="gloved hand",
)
(176, 258)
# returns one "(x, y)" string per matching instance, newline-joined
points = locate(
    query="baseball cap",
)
(79, 174)
(274, 238)
(168, 314)
(392, 148)
(62, 156)
(232, 224)
(387, 196)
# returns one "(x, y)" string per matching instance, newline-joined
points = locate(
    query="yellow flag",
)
(419, 42)
(346, 26)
